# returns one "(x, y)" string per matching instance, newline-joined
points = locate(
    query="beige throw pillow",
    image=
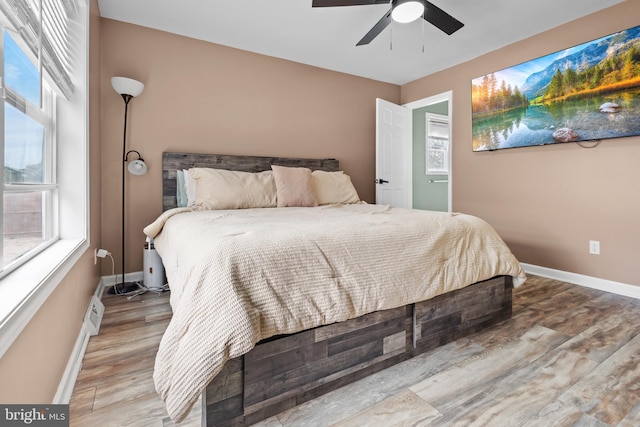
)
(333, 188)
(293, 187)
(223, 189)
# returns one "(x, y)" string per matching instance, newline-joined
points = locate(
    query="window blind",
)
(52, 45)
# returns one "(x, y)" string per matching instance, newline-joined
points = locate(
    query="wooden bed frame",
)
(284, 371)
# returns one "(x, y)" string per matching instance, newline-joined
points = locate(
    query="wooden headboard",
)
(176, 161)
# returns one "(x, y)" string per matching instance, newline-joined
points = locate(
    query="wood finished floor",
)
(569, 356)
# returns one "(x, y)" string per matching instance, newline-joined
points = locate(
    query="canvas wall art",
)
(584, 93)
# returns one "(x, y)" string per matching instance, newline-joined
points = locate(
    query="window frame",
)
(437, 144)
(45, 115)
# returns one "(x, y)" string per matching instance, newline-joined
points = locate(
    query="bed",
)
(274, 306)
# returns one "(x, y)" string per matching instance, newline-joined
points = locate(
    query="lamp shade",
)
(137, 167)
(127, 86)
(407, 10)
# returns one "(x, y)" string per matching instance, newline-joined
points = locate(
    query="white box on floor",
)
(154, 277)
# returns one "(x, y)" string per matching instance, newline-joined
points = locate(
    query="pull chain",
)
(423, 34)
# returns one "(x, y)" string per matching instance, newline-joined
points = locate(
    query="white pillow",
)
(333, 188)
(223, 189)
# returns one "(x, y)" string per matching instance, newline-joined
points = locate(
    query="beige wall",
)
(32, 367)
(548, 202)
(203, 97)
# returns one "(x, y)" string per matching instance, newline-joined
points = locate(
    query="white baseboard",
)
(68, 381)
(582, 280)
(108, 281)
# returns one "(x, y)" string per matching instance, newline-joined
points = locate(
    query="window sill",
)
(25, 290)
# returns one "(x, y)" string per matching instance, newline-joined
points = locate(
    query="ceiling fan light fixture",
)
(407, 11)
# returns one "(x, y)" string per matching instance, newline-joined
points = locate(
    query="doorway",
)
(431, 186)
(430, 159)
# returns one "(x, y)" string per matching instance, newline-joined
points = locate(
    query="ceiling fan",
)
(402, 11)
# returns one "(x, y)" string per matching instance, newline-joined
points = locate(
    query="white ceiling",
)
(327, 37)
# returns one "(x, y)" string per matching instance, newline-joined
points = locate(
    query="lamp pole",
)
(125, 287)
(128, 89)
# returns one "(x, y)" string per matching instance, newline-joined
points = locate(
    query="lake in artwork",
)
(588, 92)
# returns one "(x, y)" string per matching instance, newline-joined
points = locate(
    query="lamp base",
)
(124, 288)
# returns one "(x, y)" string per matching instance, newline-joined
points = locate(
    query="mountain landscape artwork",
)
(584, 93)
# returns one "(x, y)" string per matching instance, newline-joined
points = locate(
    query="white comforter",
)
(240, 276)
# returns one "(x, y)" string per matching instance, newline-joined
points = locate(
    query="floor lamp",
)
(128, 89)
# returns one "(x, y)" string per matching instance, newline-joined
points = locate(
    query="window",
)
(35, 65)
(29, 194)
(437, 144)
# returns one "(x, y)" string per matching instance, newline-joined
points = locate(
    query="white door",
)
(393, 155)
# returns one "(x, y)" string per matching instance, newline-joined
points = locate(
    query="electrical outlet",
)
(103, 253)
(99, 253)
(594, 247)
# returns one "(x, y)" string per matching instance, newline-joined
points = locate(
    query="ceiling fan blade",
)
(441, 19)
(332, 3)
(377, 29)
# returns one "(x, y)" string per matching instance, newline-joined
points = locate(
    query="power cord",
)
(595, 143)
(142, 288)
(104, 253)
(113, 263)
